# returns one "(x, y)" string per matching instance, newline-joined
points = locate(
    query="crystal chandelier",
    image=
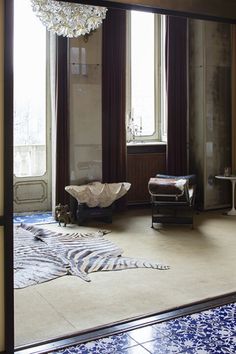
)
(68, 19)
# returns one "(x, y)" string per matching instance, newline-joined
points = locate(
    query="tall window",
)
(29, 92)
(146, 113)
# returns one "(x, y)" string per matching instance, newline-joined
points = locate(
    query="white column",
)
(233, 210)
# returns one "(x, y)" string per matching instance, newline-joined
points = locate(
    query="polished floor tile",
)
(120, 343)
(208, 332)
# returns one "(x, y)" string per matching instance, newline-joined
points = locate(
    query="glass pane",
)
(142, 72)
(29, 92)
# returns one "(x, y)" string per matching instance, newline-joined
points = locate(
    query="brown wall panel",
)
(140, 168)
(233, 98)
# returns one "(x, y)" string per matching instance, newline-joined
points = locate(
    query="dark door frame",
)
(8, 175)
(7, 219)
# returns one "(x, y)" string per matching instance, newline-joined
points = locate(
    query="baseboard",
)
(124, 326)
(214, 208)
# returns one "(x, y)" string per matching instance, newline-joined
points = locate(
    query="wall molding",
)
(40, 195)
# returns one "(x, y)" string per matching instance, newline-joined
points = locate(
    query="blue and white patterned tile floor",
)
(34, 218)
(208, 332)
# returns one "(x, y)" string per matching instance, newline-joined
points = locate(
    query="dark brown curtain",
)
(176, 76)
(113, 96)
(62, 122)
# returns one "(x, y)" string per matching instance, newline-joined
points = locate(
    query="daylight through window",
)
(29, 92)
(146, 113)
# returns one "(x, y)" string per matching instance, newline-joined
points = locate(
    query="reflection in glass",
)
(29, 92)
(142, 72)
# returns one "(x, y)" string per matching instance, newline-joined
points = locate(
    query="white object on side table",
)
(233, 181)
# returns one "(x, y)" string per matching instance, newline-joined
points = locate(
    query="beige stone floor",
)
(202, 265)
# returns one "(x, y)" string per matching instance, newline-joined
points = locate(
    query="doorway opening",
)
(32, 151)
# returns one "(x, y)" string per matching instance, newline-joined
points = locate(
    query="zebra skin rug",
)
(41, 255)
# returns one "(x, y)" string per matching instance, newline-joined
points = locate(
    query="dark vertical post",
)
(8, 175)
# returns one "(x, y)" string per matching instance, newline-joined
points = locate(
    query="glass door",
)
(32, 177)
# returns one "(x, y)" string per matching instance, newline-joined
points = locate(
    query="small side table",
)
(233, 181)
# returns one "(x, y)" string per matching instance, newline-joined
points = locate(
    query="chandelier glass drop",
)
(68, 19)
